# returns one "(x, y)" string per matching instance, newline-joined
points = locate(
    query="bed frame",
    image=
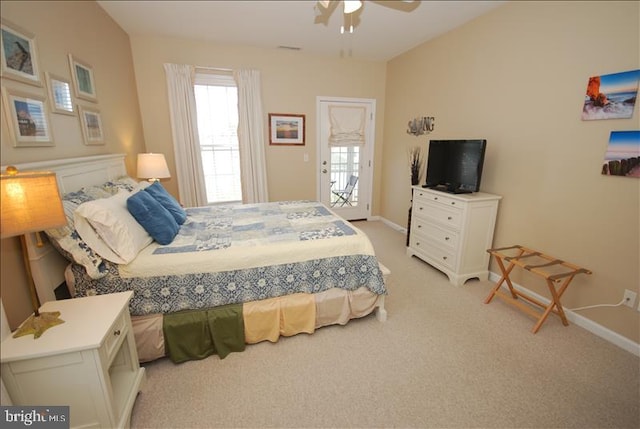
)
(47, 265)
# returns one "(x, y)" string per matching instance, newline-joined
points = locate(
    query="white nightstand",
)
(89, 363)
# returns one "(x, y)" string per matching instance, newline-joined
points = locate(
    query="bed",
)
(232, 274)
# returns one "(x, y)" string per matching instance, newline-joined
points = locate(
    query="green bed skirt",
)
(196, 334)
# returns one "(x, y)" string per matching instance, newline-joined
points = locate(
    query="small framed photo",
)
(28, 119)
(286, 129)
(19, 55)
(91, 124)
(83, 82)
(59, 94)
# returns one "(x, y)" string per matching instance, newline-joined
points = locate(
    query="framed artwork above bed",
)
(91, 123)
(28, 118)
(286, 129)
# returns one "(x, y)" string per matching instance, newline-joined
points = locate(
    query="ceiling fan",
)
(325, 8)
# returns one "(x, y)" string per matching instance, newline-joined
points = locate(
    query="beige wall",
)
(291, 81)
(517, 77)
(86, 31)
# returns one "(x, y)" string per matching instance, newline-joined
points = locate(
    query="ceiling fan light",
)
(351, 6)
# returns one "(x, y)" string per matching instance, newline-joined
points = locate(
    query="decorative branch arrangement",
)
(415, 164)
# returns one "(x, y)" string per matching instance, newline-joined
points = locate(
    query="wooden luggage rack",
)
(551, 269)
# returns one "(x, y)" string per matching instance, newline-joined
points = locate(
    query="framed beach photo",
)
(286, 129)
(611, 96)
(91, 124)
(83, 82)
(59, 94)
(19, 56)
(28, 119)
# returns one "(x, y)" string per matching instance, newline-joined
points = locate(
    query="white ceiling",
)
(383, 29)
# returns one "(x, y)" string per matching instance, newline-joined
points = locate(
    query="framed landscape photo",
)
(91, 124)
(59, 94)
(28, 119)
(286, 129)
(19, 56)
(83, 82)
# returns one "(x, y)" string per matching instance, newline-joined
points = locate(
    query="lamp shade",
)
(152, 166)
(29, 202)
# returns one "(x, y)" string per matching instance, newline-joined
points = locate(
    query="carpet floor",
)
(443, 359)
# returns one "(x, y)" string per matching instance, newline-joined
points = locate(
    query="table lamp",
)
(152, 166)
(30, 202)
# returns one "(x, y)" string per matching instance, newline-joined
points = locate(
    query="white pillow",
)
(110, 230)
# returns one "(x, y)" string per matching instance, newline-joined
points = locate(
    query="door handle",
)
(324, 170)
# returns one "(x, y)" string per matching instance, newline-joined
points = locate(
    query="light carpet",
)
(443, 359)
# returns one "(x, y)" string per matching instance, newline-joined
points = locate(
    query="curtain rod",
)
(216, 69)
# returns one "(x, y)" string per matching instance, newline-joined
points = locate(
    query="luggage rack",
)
(553, 270)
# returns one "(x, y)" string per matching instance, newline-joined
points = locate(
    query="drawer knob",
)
(449, 217)
(444, 257)
(417, 243)
(453, 203)
(435, 198)
(446, 239)
(419, 226)
(116, 333)
(420, 208)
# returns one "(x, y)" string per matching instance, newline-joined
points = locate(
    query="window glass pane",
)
(344, 164)
(217, 128)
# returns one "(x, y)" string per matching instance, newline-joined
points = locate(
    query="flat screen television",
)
(455, 166)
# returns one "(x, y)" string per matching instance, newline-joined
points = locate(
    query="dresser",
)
(89, 363)
(452, 232)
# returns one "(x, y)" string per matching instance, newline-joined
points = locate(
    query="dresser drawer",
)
(439, 236)
(438, 198)
(450, 216)
(431, 250)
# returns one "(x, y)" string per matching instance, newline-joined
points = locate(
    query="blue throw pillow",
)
(154, 218)
(157, 191)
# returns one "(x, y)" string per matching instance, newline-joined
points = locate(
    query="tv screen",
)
(455, 166)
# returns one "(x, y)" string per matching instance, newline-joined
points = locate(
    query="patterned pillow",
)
(67, 240)
(124, 183)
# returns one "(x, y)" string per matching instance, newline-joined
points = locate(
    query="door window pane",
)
(345, 162)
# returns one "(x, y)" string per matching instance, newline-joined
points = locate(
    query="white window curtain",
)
(251, 136)
(184, 128)
(347, 126)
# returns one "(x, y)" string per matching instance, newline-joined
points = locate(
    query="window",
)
(345, 161)
(217, 105)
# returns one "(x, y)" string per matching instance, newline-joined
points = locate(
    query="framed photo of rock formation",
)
(19, 56)
(623, 154)
(611, 96)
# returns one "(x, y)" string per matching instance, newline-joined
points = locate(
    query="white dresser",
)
(89, 363)
(452, 232)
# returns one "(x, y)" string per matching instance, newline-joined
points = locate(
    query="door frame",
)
(370, 141)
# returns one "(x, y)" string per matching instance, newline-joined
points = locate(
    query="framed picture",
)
(83, 82)
(28, 119)
(59, 94)
(611, 96)
(623, 154)
(286, 129)
(19, 56)
(91, 124)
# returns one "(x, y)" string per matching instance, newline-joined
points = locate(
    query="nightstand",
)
(89, 363)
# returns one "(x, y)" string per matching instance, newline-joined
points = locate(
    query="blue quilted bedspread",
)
(239, 253)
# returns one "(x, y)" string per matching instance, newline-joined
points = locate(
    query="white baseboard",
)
(583, 322)
(389, 224)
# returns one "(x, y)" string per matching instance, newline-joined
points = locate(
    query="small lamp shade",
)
(152, 166)
(29, 202)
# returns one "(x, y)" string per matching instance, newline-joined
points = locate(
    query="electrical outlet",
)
(630, 298)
